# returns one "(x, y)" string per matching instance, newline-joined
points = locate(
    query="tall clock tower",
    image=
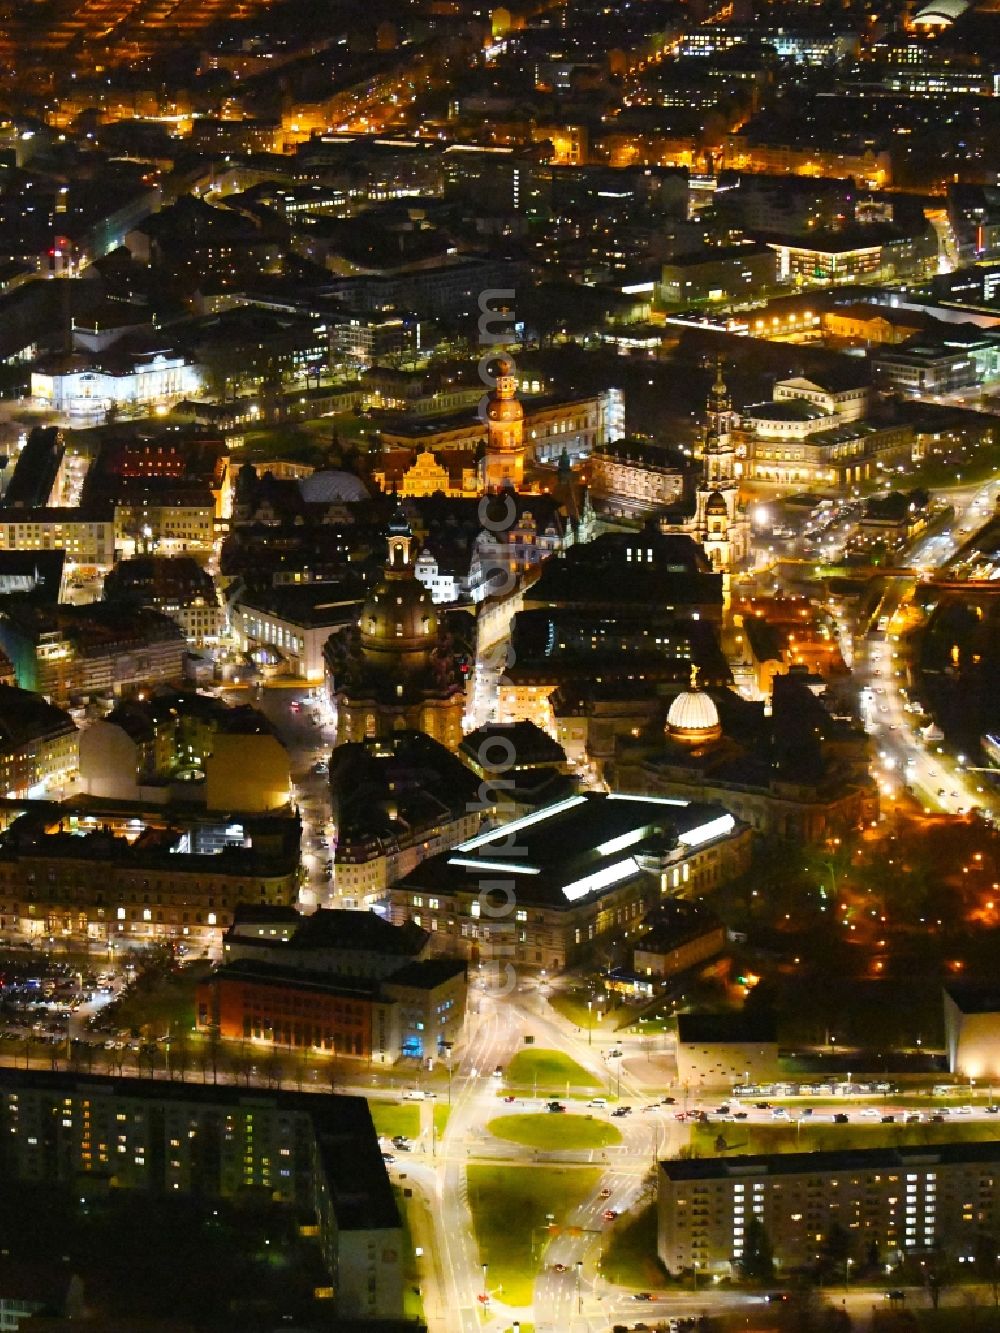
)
(503, 463)
(721, 523)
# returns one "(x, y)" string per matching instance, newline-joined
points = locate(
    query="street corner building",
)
(342, 982)
(318, 1155)
(581, 872)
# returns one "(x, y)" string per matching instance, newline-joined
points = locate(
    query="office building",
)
(63, 651)
(39, 744)
(124, 875)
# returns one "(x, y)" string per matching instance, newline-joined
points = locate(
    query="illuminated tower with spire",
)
(721, 523)
(503, 462)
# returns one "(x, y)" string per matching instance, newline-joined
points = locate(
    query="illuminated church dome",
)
(693, 717)
(398, 621)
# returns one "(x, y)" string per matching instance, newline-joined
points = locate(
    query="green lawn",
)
(742, 1139)
(306, 441)
(509, 1207)
(392, 1118)
(572, 1004)
(630, 1252)
(550, 1131)
(442, 1113)
(546, 1071)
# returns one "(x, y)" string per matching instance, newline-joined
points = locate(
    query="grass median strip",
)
(553, 1132)
(547, 1071)
(510, 1208)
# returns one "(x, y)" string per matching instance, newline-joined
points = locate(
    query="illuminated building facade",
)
(503, 462)
(918, 1200)
(142, 879)
(72, 650)
(589, 869)
(632, 478)
(88, 392)
(87, 535)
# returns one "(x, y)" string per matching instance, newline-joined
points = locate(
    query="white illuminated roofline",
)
(623, 840)
(600, 879)
(647, 800)
(511, 866)
(549, 812)
(715, 828)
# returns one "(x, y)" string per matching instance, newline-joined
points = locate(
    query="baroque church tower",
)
(721, 524)
(503, 462)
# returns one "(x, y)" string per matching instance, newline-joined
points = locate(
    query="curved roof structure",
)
(940, 13)
(331, 485)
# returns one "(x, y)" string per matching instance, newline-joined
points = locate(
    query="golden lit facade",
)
(503, 465)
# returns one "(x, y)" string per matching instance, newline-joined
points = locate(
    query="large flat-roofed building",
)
(396, 801)
(921, 366)
(418, 1011)
(634, 478)
(39, 743)
(725, 273)
(285, 629)
(724, 1049)
(62, 651)
(582, 873)
(897, 1201)
(121, 874)
(318, 1155)
(972, 1029)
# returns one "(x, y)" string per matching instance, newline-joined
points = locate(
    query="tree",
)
(835, 1249)
(757, 1263)
(988, 1263)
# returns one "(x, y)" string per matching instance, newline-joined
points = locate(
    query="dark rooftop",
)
(576, 848)
(819, 1163)
(732, 1026)
(359, 1187)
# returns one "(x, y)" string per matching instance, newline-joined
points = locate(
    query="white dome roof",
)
(694, 716)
